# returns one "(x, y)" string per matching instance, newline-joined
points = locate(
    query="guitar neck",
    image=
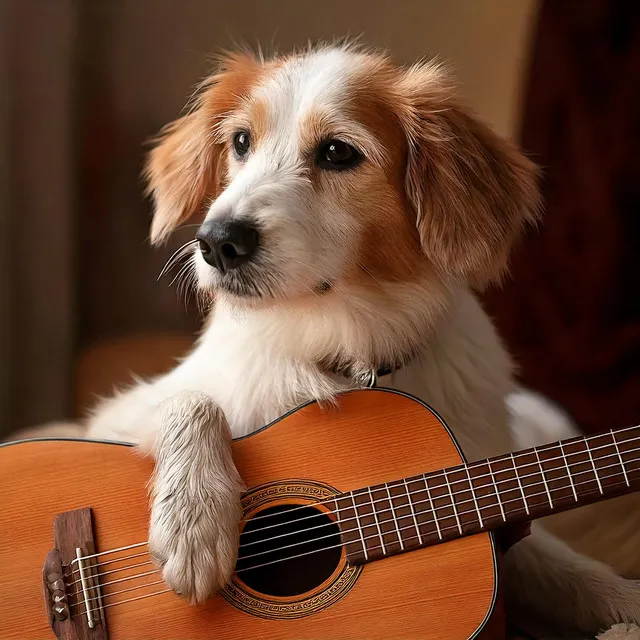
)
(422, 510)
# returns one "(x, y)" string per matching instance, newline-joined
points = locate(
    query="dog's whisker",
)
(183, 270)
(172, 263)
(176, 263)
(176, 278)
(183, 284)
(176, 256)
(188, 285)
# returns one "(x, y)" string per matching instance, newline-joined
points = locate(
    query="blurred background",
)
(84, 83)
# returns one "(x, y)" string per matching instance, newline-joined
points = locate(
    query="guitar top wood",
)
(442, 592)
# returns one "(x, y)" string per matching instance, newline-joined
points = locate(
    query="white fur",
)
(258, 360)
(196, 503)
(536, 420)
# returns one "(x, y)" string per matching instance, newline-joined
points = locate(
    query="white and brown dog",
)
(349, 207)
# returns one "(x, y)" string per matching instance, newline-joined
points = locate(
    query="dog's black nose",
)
(226, 244)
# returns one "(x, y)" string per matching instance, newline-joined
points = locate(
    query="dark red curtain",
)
(571, 312)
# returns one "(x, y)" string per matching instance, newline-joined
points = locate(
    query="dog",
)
(350, 210)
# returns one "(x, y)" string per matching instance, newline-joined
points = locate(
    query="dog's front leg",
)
(196, 491)
(548, 581)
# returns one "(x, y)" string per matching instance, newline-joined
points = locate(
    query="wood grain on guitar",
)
(332, 491)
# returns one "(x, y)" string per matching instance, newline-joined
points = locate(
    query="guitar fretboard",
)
(407, 514)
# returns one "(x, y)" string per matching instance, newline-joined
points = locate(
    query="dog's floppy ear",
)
(181, 171)
(473, 192)
(186, 169)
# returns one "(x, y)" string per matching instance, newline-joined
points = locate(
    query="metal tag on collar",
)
(372, 379)
(367, 379)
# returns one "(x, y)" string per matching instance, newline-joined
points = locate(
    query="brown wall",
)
(37, 208)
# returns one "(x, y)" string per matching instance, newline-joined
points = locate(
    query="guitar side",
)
(445, 592)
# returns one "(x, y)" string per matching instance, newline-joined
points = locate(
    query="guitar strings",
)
(264, 564)
(114, 604)
(392, 509)
(106, 573)
(491, 475)
(115, 593)
(449, 528)
(504, 458)
(106, 562)
(339, 521)
(433, 511)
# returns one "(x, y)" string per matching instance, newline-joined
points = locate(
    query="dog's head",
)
(334, 167)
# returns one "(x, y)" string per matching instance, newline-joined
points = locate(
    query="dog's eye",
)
(337, 155)
(241, 143)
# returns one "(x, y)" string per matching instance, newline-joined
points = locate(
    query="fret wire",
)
(372, 501)
(453, 502)
(515, 500)
(393, 515)
(533, 486)
(413, 513)
(515, 512)
(473, 495)
(453, 527)
(363, 491)
(433, 511)
(524, 497)
(340, 519)
(544, 480)
(355, 510)
(566, 464)
(324, 549)
(433, 507)
(336, 509)
(495, 488)
(466, 512)
(518, 454)
(624, 471)
(375, 517)
(593, 464)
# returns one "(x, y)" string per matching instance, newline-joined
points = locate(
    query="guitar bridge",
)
(70, 580)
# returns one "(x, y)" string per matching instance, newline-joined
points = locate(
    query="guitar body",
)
(442, 592)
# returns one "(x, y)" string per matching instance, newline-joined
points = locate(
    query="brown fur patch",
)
(389, 249)
(474, 193)
(186, 169)
(470, 193)
(259, 117)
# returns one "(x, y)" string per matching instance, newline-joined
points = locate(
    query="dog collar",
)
(362, 377)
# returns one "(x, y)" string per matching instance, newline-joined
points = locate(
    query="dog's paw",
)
(195, 541)
(621, 632)
(196, 493)
(621, 604)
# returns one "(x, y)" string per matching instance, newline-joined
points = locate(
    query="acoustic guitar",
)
(362, 521)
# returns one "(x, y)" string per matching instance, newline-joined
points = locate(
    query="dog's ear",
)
(181, 171)
(186, 169)
(474, 193)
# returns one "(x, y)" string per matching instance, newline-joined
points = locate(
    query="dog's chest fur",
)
(254, 371)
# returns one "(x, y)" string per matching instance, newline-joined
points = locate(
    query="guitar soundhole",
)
(298, 551)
